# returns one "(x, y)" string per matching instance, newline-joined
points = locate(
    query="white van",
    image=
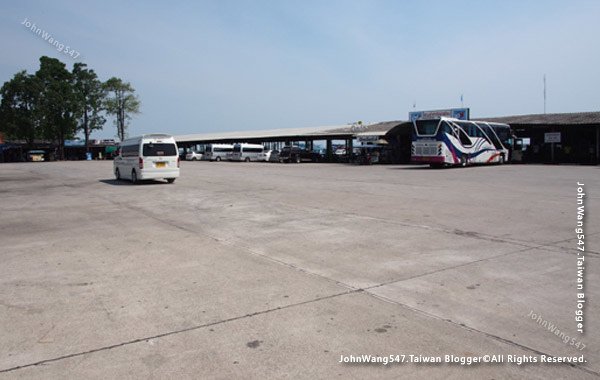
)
(152, 156)
(248, 152)
(217, 152)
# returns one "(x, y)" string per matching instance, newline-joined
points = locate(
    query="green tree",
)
(58, 102)
(121, 102)
(19, 109)
(90, 96)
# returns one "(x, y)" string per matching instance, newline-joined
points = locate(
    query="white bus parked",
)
(152, 156)
(217, 152)
(248, 152)
(446, 142)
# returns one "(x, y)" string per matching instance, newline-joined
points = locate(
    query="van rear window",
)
(159, 150)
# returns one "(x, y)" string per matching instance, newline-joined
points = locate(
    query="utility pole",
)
(544, 94)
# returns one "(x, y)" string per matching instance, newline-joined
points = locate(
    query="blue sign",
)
(74, 143)
(455, 113)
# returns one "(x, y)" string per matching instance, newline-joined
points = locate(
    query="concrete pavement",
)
(268, 270)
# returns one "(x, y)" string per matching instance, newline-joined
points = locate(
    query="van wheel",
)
(194, 159)
(117, 174)
(247, 159)
(170, 180)
(134, 178)
(218, 159)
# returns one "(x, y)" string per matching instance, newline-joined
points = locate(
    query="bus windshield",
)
(427, 127)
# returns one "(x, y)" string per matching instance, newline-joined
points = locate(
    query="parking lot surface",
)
(251, 270)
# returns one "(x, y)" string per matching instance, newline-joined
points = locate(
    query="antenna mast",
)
(544, 93)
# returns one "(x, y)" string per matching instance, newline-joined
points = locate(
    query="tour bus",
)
(248, 152)
(152, 156)
(448, 142)
(217, 152)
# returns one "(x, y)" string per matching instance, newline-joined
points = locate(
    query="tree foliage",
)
(90, 97)
(19, 110)
(56, 103)
(121, 102)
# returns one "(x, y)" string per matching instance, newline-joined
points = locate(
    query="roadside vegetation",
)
(56, 104)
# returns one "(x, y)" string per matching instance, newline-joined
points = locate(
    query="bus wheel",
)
(501, 161)
(117, 174)
(134, 178)
(297, 159)
(218, 159)
(247, 159)
(170, 180)
(463, 161)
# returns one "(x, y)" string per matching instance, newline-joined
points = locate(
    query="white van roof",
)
(149, 136)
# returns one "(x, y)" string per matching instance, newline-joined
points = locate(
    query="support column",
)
(597, 144)
(349, 148)
(329, 151)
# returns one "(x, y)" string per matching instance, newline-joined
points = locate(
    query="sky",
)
(211, 66)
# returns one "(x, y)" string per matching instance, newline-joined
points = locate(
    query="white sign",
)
(368, 138)
(552, 137)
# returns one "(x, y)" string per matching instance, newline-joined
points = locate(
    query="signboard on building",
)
(368, 138)
(456, 113)
(74, 143)
(552, 137)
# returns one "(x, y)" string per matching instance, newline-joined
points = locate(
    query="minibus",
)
(152, 156)
(248, 152)
(217, 152)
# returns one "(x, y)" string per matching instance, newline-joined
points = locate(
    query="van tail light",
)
(178, 161)
(141, 163)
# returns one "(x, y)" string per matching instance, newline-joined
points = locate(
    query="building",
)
(579, 137)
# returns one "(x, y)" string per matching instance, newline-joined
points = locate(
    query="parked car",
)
(297, 155)
(266, 154)
(193, 156)
(36, 156)
(273, 156)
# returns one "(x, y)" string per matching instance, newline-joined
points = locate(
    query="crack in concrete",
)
(447, 268)
(351, 290)
(175, 332)
(472, 329)
(230, 243)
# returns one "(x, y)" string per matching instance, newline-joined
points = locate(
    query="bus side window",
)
(464, 139)
(447, 129)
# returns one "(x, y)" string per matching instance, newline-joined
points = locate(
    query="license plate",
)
(161, 164)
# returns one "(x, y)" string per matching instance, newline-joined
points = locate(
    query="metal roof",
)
(263, 134)
(574, 118)
(384, 126)
(342, 131)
